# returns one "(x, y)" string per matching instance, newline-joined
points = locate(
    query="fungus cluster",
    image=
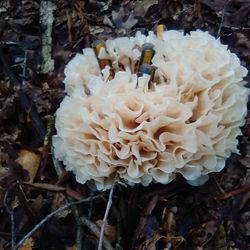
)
(184, 118)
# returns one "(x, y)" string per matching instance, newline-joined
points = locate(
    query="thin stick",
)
(69, 26)
(79, 234)
(79, 230)
(104, 221)
(222, 18)
(11, 213)
(47, 7)
(242, 189)
(24, 66)
(49, 216)
(12, 229)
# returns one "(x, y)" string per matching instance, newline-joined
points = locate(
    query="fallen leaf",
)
(71, 247)
(27, 245)
(30, 161)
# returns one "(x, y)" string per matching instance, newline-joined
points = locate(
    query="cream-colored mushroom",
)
(187, 123)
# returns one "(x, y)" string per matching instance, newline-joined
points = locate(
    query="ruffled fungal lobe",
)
(187, 123)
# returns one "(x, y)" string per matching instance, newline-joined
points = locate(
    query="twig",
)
(95, 230)
(46, 146)
(46, 20)
(242, 189)
(49, 216)
(24, 202)
(79, 230)
(11, 213)
(104, 221)
(236, 28)
(56, 163)
(31, 111)
(198, 8)
(69, 25)
(24, 66)
(84, 21)
(91, 204)
(12, 229)
(222, 19)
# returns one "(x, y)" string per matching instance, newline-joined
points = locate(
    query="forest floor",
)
(37, 39)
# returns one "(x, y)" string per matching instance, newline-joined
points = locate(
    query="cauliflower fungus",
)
(186, 123)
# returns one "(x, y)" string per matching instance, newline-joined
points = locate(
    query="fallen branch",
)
(46, 20)
(49, 216)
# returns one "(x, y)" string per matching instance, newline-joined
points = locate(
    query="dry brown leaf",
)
(30, 161)
(71, 247)
(27, 245)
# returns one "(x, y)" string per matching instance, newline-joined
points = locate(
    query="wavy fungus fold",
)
(187, 123)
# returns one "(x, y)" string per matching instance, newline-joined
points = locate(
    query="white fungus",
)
(187, 123)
